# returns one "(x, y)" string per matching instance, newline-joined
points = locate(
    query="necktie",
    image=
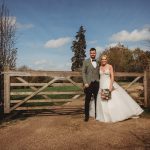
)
(93, 59)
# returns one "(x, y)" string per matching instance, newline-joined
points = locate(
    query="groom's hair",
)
(92, 49)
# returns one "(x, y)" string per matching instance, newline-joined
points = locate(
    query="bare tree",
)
(7, 37)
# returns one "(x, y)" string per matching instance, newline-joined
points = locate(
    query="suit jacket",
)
(89, 73)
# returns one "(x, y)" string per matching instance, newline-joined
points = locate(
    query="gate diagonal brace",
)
(34, 93)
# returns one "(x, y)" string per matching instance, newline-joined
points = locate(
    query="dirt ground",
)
(63, 128)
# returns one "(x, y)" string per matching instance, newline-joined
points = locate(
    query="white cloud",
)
(40, 62)
(112, 45)
(142, 47)
(55, 43)
(51, 65)
(13, 21)
(99, 49)
(135, 35)
(92, 42)
(24, 26)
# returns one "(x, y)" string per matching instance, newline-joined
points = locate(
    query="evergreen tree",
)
(78, 48)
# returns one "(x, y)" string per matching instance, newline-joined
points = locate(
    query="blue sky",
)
(46, 28)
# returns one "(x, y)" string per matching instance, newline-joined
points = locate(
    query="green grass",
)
(63, 96)
(57, 89)
(63, 88)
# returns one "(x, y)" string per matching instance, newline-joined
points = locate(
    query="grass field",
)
(136, 90)
(57, 96)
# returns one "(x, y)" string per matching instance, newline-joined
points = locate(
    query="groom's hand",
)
(86, 85)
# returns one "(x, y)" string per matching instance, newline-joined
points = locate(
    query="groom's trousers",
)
(92, 90)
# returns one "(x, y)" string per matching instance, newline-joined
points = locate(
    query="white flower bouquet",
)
(105, 94)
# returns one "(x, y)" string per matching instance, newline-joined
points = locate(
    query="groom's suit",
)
(90, 76)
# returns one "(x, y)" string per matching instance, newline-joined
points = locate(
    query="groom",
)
(90, 74)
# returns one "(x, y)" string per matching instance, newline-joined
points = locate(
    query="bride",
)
(120, 106)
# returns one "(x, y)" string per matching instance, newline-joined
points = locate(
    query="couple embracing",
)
(105, 100)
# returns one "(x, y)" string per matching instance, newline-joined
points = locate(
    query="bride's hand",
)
(100, 93)
(86, 85)
(110, 89)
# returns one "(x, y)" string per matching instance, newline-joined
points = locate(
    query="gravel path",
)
(63, 128)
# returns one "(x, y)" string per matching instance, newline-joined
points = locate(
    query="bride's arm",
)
(111, 77)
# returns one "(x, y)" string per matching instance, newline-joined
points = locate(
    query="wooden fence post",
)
(6, 95)
(1, 94)
(147, 86)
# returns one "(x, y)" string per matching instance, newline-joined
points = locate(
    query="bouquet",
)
(105, 94)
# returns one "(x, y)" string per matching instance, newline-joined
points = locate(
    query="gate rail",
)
(56, 76)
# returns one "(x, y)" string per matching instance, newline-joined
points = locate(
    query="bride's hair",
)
(103, 56)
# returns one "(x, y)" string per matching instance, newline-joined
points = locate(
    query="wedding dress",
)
(120, 107)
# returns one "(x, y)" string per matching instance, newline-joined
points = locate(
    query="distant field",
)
(136, 91)
(57, 89)
(60, 88)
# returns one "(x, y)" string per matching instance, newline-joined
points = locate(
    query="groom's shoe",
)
(86, 119)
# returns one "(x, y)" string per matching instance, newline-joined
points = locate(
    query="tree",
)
(78, 48)
(119, 56)
(8, 51)
(24, 68)
(126, 60)
(140, 59)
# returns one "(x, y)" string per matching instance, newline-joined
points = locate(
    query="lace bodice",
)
(104, 78)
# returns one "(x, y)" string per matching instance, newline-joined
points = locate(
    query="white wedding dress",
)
(120, 107)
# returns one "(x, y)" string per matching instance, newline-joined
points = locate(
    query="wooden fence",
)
(11, 80)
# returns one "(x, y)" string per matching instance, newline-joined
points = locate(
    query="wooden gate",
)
(56, 78)
(18, 79)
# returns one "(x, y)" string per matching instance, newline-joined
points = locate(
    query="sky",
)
(46, 28)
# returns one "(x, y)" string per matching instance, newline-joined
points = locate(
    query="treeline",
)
(124, 59)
